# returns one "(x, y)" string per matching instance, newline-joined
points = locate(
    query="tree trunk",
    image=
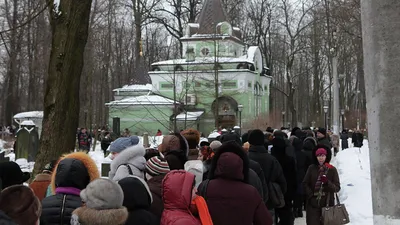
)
(11, 95)
(61, 101)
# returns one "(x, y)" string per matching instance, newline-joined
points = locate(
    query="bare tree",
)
(294, 22)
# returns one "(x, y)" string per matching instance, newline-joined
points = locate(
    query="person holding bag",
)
(320, 184)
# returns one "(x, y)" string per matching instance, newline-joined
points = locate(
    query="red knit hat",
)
(321, 151)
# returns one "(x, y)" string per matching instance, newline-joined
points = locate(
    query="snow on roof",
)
(27, 123)
(251, 52)
(200, 60)
(214, 135)
(196, 25)
(191, 116)
(143, 100)
(136, 87)
(32, 114)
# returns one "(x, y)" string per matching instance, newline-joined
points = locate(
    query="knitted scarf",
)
(323, 170)
(199, 207)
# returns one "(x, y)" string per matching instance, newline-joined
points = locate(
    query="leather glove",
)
(324, 179)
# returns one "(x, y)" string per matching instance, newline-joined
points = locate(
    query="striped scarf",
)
(323, 170)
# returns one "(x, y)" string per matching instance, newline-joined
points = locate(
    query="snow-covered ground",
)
(355, 178)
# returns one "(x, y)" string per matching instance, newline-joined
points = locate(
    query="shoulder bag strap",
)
(328, 199)
(128, 167)
(337, 198)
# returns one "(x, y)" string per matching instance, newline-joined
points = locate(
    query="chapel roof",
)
(212, 13)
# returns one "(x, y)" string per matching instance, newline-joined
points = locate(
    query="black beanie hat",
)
(231, 137)
(256, 137)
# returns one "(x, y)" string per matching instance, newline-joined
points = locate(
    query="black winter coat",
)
(357, 139)
(325, 141)
(345, 142)
(137, 200)
(57, 209)
(288, 166)
(270, 166)
(303, 162)
(261, 187)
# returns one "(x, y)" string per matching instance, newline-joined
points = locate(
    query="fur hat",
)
(157, 166)
(123, 143)
(103, 194)
(20, 204)
(170, 143)
(256, 138)
(11, 174)
(215, 145)
(192, 136)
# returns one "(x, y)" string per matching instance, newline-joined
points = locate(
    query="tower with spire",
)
(219, 82)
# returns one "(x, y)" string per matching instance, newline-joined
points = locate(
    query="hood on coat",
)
(229, 169)
(278, 147)
(296, 143)
(85, 216)
(134, 158)
(76, 170)
(136, 193)
(229, 166)
(311, 139)
(177, 189)
(328, 156)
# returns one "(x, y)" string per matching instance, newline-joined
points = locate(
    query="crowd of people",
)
(259, 178)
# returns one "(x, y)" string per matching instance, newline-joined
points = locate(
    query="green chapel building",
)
(220, 82)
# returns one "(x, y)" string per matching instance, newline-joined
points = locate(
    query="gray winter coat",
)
(132, 157)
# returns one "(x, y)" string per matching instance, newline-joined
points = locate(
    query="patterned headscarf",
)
(207, 153)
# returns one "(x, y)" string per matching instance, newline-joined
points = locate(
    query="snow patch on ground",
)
(353, 165)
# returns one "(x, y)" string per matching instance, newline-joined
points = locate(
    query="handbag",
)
(276, 198)
(334, 215)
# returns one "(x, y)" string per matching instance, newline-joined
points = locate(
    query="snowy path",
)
(300, 221)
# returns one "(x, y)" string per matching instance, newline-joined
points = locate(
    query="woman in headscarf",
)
(320, 184)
